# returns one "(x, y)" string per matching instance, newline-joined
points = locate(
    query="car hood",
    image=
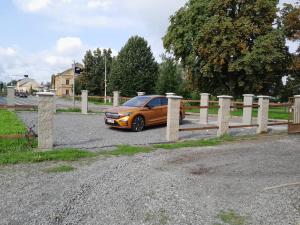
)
(122, 109)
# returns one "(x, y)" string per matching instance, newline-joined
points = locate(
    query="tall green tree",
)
(290, 22)
(134, 69)
(229, 46)
(169, 76)
(93, 75)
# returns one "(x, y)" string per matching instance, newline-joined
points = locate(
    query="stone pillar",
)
(54, 99)
(84, 102)
(170, 94)
(224, 114)
(247, 111)
(45, 120)
(297, 109)
(173, 118)
(116, 98)
(263, 114)
(10, 100)
(141, 93)
(204, 112)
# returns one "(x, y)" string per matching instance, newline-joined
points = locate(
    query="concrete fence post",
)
(204, 102)
(10, 100)
(173, 118)
(297, 109)
(247, 111)
(45, 120)
(141, 93)
(116, 98)
(224, 114)
(170, 94)
(54, 99)
(263, 114)
(84, 102)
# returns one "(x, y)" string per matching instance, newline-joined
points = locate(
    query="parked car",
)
(139, 112)
(23, 95)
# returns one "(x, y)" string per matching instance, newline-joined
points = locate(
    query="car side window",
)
(154, 103)
(164, 101)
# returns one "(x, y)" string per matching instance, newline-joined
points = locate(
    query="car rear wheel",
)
(138, 124)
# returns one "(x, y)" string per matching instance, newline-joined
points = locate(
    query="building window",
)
(67, 82)
(67, 92)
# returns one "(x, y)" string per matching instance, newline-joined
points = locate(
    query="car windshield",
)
(137, 101)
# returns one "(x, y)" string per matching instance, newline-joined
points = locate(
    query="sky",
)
(43, 37)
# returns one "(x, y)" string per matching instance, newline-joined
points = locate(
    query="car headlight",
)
(125, 114)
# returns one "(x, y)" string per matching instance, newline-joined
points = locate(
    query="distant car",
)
(139, 112)
(23, 95)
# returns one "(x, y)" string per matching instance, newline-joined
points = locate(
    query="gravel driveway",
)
(182, 187)
(90, 132)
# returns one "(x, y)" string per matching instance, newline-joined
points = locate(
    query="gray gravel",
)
(181, 187)
(90, 132)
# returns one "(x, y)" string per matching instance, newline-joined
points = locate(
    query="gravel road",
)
(182, 187)
(90, 132)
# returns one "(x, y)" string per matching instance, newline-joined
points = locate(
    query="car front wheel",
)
(138, 124)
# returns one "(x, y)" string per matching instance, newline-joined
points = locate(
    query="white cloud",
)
(32, 5)
(95, 4)
(67, 45)
(42, 64)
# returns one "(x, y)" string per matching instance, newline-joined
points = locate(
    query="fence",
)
(261, 114)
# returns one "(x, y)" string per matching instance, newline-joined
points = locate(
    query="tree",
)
(169, 76)
(92, 77)
(229, 47)
(290, 22)
(134, 69)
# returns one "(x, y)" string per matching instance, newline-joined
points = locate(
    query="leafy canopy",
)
(229, 46)
(134, 69)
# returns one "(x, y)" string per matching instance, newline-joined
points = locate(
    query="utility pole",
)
(105, 77)
(73, 69)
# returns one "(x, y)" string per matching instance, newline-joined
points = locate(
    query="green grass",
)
(232, 218)
(60, 169)
(10, 123)
(195, 143)
(15, 145)
(69, 110)
(34, 157)
(274, 113)
(127, 150)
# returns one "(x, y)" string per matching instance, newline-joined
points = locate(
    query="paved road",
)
(189, 186)
(90, 132)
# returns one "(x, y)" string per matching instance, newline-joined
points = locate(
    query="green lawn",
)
(10, 123)
(19, 151)
(274, 113)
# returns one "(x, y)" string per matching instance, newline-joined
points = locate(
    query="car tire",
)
(138, 124)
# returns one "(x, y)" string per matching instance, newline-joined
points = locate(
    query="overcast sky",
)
(42, 37)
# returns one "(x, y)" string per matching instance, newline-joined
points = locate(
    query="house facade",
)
(63, 82)
(27, 85)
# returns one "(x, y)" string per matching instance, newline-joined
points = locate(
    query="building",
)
(63, 82)
(27, 85)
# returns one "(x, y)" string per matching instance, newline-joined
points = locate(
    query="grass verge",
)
(10, 123)
(196, 143)
(127, 150)
(69, 110)
(34, 157)
(60, 169)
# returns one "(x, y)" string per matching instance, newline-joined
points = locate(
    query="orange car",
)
(139, 112)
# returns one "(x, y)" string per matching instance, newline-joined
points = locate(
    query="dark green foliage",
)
(229, 47)
(169, 77)
(134, 69)
(92, 78)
